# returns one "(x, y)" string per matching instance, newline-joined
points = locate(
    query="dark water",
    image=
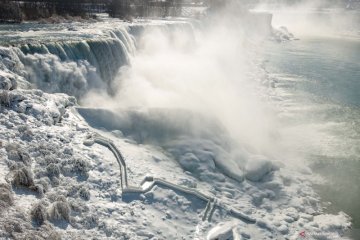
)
(323, 74)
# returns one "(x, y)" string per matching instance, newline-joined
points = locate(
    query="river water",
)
(319, 81)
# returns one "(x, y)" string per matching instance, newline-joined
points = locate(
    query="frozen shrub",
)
(6, 196)
(13, 155)
(61, 198)
(20, 228)
(78, 206)
(4, 98)
(89, 222)
(14, 83)
(53, 170)
(80, 166)
(22, 128)
(72, 190)
(47, 149)
(16, 153)
(66, 169)
(44, 184)
(27, 135)
(5, 83)
(68, 151)
(60, 210)
(15, 165)
(55, 181)
(38, 213)
(23, 178)
(53, 235)
(12, 146)
(39, 189)
(24, 157)
(11, 226)
(84, 193)
(49, 159)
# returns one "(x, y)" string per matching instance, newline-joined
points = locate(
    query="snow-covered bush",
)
(44, 183)
(51, 159)
(26, 133)
(53, 170)
(78, 206)
(55, 181)
(81, 167)
(8, 98)
(75, 166)
(38, 213)
(19, 227)
(12, 227)
(13, 165)
(16, 153)
(5, 83)
(23, 178)
(60, 210)
(50, 233)
(6, 197)
(68, 151)
(39, 189)
(89, 222)
(4, 98)
(84, 193)
(47, 149)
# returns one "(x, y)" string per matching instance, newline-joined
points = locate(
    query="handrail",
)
(212, 202)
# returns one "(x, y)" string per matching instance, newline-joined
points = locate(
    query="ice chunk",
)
(189, 162)
(222, 231)
(257, 167)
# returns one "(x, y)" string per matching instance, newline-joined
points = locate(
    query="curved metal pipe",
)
(211, 205)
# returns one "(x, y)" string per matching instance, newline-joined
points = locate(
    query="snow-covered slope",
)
(62, 187)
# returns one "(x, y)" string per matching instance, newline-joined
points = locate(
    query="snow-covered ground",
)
(55, 185)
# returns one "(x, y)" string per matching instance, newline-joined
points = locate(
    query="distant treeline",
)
(128, 8)
(17, 11)
(20, 10)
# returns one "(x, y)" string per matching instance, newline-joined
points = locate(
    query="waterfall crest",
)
(73, 67)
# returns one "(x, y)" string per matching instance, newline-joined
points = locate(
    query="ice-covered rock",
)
(198, 144)
(257, 168)
(282, 34)
(223, 231)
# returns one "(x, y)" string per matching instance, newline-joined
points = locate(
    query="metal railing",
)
(149, 182)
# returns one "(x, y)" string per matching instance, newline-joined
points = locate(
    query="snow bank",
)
(201, 146)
